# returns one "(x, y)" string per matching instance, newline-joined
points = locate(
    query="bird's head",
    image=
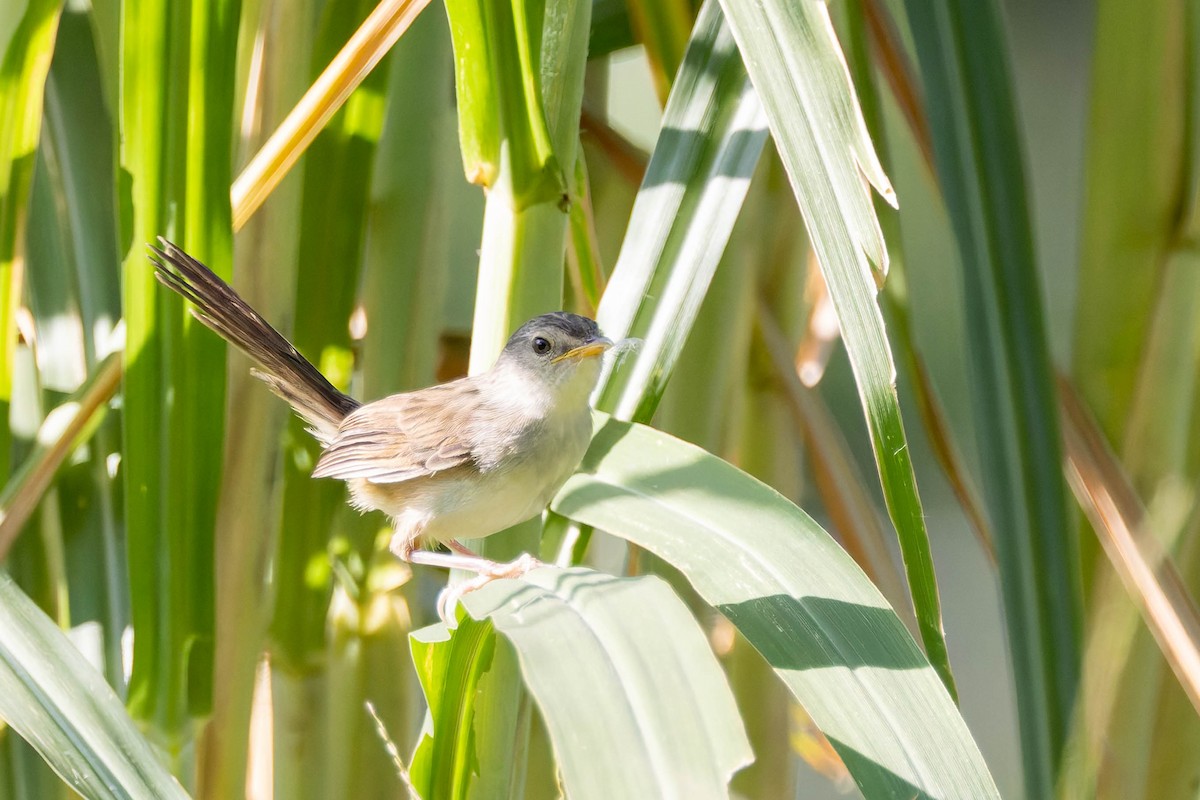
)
(560, 351)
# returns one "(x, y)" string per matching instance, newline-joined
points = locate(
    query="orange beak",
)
(593, 348)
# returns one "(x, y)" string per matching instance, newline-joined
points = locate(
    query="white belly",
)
(467, 503)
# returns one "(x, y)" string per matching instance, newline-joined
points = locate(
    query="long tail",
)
(288, 374)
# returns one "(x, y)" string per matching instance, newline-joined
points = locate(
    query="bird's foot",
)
(448, 598)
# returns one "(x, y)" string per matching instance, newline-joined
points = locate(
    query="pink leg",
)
(469, 562)
(462, 558)
(459, 547)
(449, 597)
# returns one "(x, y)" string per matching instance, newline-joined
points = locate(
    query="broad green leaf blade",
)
(176, 126)
(63, 707)
(712, 136)
(633, 698)
(797, 67)
(147, 145)
(796, 596)
(962, 54)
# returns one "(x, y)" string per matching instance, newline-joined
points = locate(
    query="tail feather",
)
(287, 373)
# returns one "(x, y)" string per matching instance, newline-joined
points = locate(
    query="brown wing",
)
(404, 436)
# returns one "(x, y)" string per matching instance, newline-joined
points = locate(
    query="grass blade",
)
(1131, 209)
(24, 64)
(867, 23)
(176, 142)
(450, 668)
(145, 144)
(711, 138)
(798, 69)
(961, 54)
(843, 493)
(407, 253)
(1134, 359)
(519, 86)
(663, 27)
(1118, 518)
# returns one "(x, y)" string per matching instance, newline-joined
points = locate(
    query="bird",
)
(462, 459)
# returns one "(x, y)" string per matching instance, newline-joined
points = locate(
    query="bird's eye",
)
(541, 346)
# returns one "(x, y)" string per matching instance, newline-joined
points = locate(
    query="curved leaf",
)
(633, 698)
(52, 697)
(796, 596)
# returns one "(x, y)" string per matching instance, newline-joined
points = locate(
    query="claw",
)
(448, 598)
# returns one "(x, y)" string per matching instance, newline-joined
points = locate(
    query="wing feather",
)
(404, 436)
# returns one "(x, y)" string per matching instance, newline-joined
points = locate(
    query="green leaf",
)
(1131, 207)
(63, 707)
(147, 143)
(633, 698)
(664, 28)
(711, 139)
(265, 274)
(176, 128)
(525, 224)
(65, 428)
(524, 234)
(798, 69)
(79, 245)
(796, 596)
(450, 667)
(500, 101)
(962, 54)
(27, 32)
(1136, 353)
(611, 28)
